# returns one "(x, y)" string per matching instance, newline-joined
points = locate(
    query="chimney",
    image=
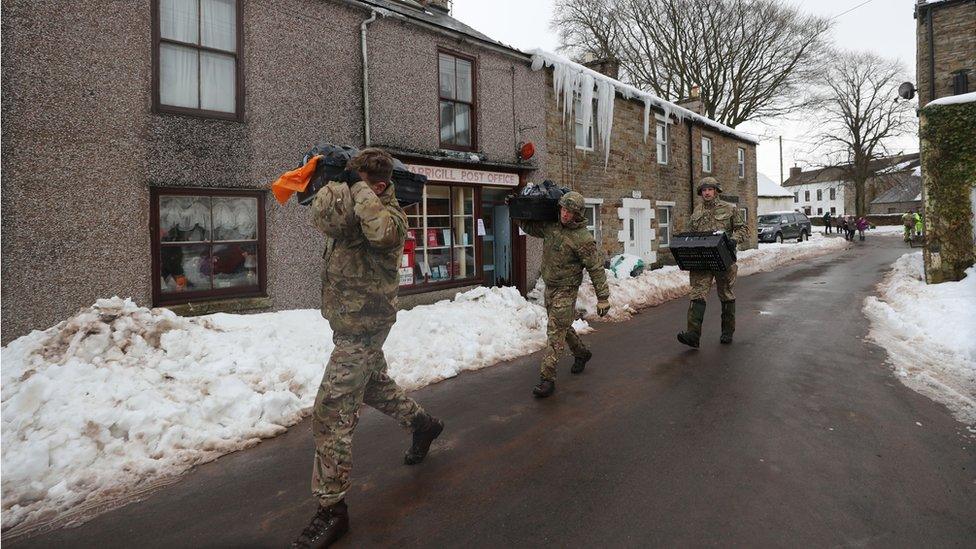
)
(693, 102)
(607, 66)
(443, 6)
(795, 171)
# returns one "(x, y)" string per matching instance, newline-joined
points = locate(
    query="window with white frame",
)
(706, 147)
(806, 196)
(819, 194)
(796, 196)
(664, 225)
(745, 215)
(662, 141)
(197, 58)
(833, 210)
(819, 211)
(833, 193)
(591, 214)
(742, 162)
(584, 137)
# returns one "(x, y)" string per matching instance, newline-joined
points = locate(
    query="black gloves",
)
(348, 177)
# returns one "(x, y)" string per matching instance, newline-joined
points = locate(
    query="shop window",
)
(664, 226)
(442, 229)
(207, 244)
(662, 142)
(706, 148)
(742, 161)
(197, 58)
(457, 101)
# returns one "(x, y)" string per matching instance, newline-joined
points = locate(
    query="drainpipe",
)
(362, 39)
(931, 57)
(691, 167)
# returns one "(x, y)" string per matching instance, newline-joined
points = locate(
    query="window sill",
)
(233, 305)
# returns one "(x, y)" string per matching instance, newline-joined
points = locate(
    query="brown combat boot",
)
(326, 527)
(425, 429)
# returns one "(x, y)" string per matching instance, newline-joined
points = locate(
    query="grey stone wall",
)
(81, 146)
(954, 40)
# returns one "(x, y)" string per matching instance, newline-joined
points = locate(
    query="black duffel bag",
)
(408, 185)
(537, 202)
(702, 251)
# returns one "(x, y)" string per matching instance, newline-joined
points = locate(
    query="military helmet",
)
(332, 210)
(709, 182)
(574, 202)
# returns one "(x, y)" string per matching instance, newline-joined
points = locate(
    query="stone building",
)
(139, 139)
(641, 190)
(945, 48)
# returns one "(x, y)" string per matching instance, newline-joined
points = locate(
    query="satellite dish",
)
(906, 90)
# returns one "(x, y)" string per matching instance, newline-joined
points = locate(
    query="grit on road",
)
(795, 435)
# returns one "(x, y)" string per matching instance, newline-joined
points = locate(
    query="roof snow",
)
(770, 189)
(572, 80)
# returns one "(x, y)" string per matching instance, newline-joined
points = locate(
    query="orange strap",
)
(294, 181)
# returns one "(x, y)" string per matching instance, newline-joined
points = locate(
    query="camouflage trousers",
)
(356, 374)
(701, 282)
(561, 308)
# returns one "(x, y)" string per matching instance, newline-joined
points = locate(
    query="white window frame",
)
(661, 129)
(819, 195)
(594, 229)
(578, 122)
(664, 228)
(796, 197)
(742, 162)
(706, 154)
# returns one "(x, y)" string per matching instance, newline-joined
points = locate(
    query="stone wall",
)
(954, 32)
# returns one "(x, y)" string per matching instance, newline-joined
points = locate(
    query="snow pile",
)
(651, 288)
(954, 99)
(572, 82)
(928, 333)
(120, 396)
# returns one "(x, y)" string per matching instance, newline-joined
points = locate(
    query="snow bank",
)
(928, 333)
(954, 99)
(630, 295)
(120, 396)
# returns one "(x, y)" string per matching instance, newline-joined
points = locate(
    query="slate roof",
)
(908, 188)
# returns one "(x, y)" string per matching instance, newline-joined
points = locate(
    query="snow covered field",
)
(120, 396)
(928, 333)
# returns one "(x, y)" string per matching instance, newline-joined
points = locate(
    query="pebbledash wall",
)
(82, 145)
(633, 179)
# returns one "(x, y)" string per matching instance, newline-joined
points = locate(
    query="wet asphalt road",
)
(796, 435)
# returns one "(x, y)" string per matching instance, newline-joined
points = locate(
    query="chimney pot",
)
(795, 171)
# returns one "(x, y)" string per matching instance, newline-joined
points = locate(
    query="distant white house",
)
(816, 192)
(772, 197)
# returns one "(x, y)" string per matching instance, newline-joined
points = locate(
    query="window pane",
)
(464, 80)
(235, 265)
(178, 76)
(446, 76)
(235, 218)
(462, 124)
(447, 122)
(184, 268)
(184, 218)
(218, 85)
(581, 136)
(178, 20)
(218, 25)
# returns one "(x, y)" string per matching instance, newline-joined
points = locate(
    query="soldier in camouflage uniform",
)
(568, 248)
(712, 214)
(365, 231)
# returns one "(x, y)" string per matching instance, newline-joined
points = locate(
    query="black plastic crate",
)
(702, 251)
(409, 186)
(534, 208)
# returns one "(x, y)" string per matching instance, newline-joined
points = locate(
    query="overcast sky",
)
(883, 26)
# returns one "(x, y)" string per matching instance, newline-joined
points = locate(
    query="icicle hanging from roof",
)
(572, 80)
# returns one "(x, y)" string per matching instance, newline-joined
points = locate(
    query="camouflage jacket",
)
(566, 251)
(360, 275)
(719, 216)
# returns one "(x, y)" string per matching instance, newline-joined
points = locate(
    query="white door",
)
(637, 234)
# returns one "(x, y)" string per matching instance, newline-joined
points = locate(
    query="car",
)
(780, 226)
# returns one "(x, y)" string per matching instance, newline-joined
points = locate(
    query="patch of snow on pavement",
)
(928, 333)
(120, 395)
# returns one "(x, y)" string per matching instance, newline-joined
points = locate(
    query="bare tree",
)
(860, 115)
(751, 58)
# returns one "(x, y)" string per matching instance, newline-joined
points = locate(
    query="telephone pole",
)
(781, 160)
